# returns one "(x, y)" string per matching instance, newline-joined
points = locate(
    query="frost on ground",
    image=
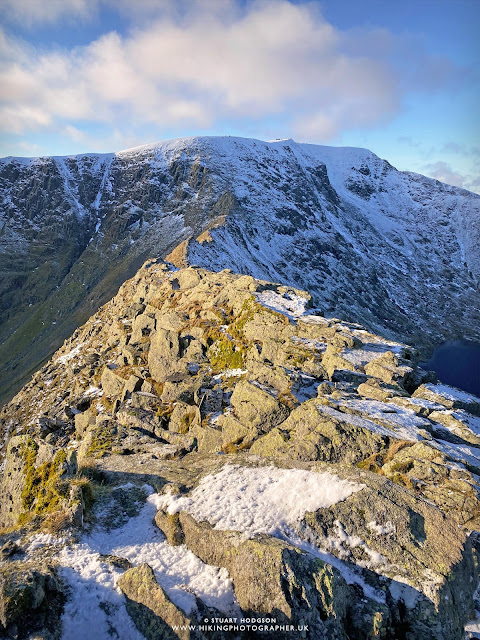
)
(96, 604)
(260, 500)
(289, 304)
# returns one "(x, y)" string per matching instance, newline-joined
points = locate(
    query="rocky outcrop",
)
(37, 482)
(151, 610)
(340, 222)
(191, 384)
(31, 601)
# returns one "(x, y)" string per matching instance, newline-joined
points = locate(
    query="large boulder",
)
(257, 408)
(151, 610)
(315, 432)
(271, 577)
(31, 601)
(164, 354)
(449, 397)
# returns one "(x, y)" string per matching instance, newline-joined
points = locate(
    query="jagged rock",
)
(30, 488)
(112, 383)
(209, 400)
(271, 577)
(31, 600)
(142, 327)
(184, 417)
(164, 355)
(386, 529)
(180, 386)
(449, 397)
(10, 548)
(257, 408)
(153, 613)
(377, 390)
(310, 434)
(235, 434)
(347, 279)
(145, 399)
(388, 369)
(83, 421)
(460, 423)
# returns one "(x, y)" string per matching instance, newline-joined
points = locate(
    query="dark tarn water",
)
(457, 364)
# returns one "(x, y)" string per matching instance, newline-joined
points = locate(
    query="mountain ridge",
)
(75, 227)
(208, 446)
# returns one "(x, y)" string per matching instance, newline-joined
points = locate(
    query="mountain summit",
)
(393, 250)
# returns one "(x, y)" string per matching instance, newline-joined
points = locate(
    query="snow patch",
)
(261, 500)
(95, 602)
(289, 304)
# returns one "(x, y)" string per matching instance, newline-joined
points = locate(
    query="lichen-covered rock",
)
(31, 600)
(112, 383)
(35, 481)
(164, 354)
(153, 613)
(310, 434)
(428, 563)
(257, 408)
(272, 577)
(449, 397)
(388, 369)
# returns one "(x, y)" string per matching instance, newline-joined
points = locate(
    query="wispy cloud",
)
(33, 12)
(195, 63)
(444, 172)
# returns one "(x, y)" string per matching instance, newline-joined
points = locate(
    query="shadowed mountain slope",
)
(396, 251)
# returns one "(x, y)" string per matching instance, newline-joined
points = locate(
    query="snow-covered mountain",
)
(394, 250)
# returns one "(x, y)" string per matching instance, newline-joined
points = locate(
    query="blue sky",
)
(400, 78)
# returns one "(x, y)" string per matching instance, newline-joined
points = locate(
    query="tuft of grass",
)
(44, 488)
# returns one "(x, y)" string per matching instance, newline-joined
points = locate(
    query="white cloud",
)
(444, 172)
(200, 62)
(31, 12)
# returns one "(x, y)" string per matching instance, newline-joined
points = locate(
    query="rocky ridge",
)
(299, 469)
(393, 250)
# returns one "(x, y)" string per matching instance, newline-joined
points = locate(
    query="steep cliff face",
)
(395, 251)
(298, 468)
(73, 229)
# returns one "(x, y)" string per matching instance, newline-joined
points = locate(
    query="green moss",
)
(102, 442)
(246, 314)
(44, 488)
(402, 467)
(225, 353)
(186, 422)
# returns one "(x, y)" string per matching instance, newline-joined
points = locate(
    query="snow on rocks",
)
(289, 304)
(449, 397)
(95, 603)
(260, 500)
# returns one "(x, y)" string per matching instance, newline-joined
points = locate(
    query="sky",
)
(399, 78)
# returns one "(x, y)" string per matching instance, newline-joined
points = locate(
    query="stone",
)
(396, 534)
(184, 417)
(164, 355)
(273, 577)
(449, 397)
(31, 599)
(310, 434)
(112, 383)
(83, 421)
(152, 612)
(257, 408)
(388, 369)
(142, 327)
(132, 384)
(235, 434)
